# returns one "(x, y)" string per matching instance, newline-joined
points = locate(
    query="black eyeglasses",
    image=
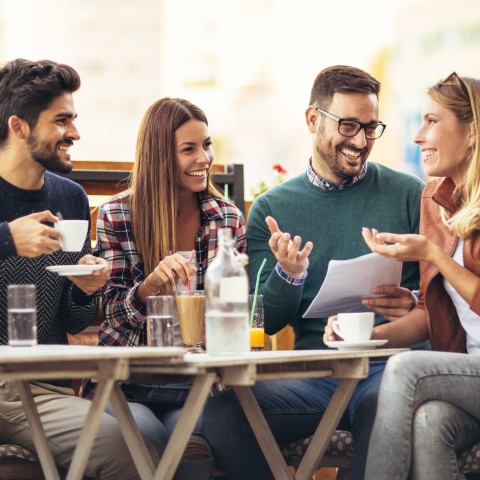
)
(350, 128)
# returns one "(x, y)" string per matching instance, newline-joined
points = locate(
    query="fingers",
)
(272, 225)
(45, 216)
(329, 335)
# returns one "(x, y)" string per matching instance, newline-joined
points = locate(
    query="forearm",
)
(405, 331)
(281, 303)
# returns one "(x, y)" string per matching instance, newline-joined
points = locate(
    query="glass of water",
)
(22, 315)
(160, 321)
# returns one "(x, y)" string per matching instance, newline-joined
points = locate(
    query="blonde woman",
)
(171, 206)
(428, 405)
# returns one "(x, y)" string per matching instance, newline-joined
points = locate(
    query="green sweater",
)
(332, 219)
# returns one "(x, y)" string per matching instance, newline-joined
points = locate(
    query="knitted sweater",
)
(332, 219)
(61, 307)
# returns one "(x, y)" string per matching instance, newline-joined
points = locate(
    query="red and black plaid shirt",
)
(124, 315)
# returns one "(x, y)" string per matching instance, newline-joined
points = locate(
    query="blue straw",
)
(254, 305)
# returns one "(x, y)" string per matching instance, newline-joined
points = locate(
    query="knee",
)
(432, 422)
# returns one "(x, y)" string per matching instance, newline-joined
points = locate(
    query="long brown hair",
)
(154, 198)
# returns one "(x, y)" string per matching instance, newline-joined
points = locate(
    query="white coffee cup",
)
(72, 234)
(354, 327)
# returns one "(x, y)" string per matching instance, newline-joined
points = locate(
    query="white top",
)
(470, 321)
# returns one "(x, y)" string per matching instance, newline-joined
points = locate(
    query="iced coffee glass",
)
(191, 317)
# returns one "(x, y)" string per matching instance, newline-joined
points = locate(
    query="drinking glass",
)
(257, 331)
(160, 321)
(22, 315)
(191, 317)
(181, 287)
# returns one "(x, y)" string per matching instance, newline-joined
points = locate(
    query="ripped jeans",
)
(428, 409)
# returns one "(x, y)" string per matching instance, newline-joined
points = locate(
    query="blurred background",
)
(249, 64)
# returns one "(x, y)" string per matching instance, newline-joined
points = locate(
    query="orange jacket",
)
(444, 327)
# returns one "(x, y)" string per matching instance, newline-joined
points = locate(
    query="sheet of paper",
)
(348, 281)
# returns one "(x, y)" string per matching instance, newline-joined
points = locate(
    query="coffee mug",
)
(354, 327)
(72, 234)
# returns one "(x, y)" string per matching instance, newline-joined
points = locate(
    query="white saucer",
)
(74, 269)
(366, 345)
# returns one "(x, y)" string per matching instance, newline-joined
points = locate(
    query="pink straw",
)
(188, 281)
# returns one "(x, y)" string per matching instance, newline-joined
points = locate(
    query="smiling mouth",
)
(64, 148)
(352, 154)
(197, 173)
(427, 154)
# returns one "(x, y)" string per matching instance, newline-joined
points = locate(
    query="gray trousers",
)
(63, 415)
(428, 409)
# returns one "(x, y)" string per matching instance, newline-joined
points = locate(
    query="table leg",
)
(185, 425)
(38, 435)
(89, 431)
(326, 427)
(133, 438)
(263, 434)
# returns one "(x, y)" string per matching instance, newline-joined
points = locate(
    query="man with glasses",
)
(323, 210)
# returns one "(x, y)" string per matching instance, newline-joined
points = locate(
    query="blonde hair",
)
(154, 199)
(461, 95)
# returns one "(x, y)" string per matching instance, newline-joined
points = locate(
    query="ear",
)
(18, 127)
(311, 116)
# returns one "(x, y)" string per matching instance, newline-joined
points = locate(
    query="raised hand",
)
(31, 237)
(409, 247)
(287, 251)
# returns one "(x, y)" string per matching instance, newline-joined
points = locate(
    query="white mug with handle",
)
(354, 327)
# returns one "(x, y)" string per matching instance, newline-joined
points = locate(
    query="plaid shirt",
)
(124, 315)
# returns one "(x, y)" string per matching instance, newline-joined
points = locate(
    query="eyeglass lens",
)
(350, 128)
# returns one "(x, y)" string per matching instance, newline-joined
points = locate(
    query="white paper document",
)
(349, 281)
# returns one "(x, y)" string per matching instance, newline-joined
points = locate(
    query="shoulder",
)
(63, 185)
(221, 208)
(390, 176)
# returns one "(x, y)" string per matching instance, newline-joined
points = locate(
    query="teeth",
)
(64, 148)
(428, 153)
(350, 153)
(197, 173)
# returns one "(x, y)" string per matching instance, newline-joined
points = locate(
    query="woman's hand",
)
(405, 248)
(170, 269)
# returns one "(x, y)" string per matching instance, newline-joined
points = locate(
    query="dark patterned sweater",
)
(61, 307)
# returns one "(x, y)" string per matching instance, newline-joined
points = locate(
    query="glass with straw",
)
(255, 304)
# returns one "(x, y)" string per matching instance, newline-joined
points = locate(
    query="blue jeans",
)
(293, 409)
(156, 409)
(428, 409)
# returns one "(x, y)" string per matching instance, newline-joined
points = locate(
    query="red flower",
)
(278, 168)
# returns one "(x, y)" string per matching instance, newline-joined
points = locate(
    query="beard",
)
(47, 156)
(333, 159)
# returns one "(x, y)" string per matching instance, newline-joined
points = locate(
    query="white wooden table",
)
(107, 365)
(241, 372)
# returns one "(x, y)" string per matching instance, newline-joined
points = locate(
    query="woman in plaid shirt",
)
(172, 205)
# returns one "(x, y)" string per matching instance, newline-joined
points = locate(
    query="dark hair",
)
(29, 87)
(344, 79)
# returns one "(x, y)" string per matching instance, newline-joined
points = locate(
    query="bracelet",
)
(147, 289)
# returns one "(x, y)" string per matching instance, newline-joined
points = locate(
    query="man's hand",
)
(31, 237)
(91, 283)
(286, 250)
(398, 302)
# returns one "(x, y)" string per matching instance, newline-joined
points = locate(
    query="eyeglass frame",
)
(361, 125)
